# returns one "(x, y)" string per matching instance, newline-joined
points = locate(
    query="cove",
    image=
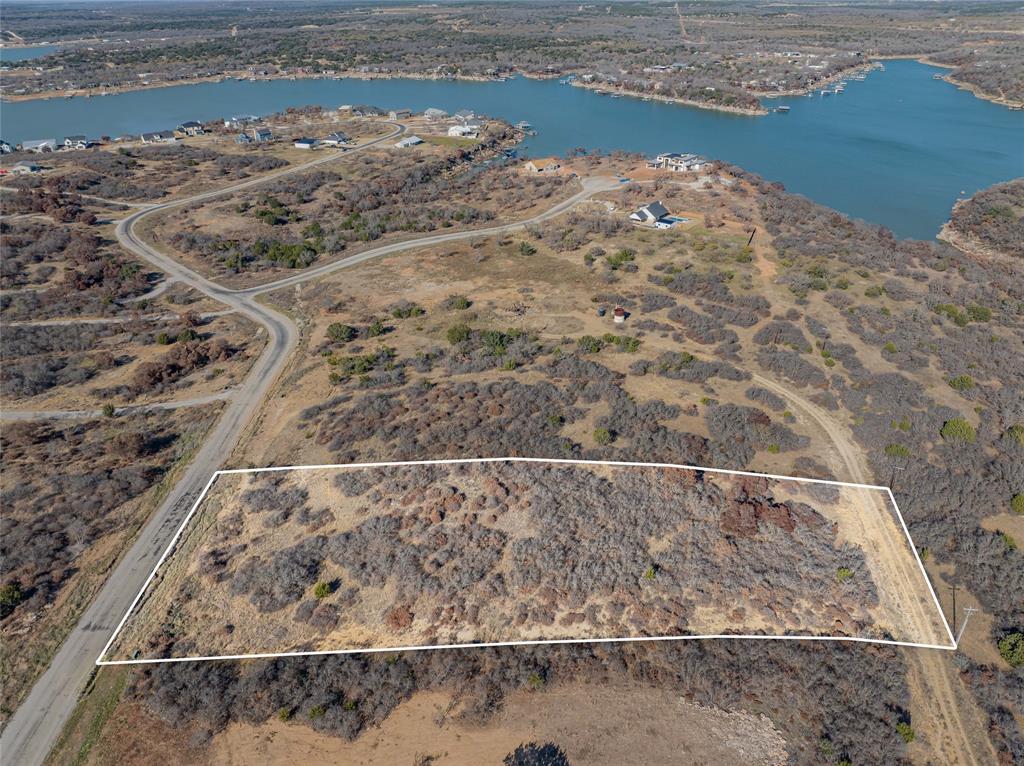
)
(896, 149)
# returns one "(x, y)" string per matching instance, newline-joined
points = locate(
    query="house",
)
(399, 114)
(462, 131)
(364, 110)
(408, 141)
(435, 114)
(464, 114)
(260, 135)
(24, 167)
(159, 137)
(5, 148)
(40, 145)
(305, 143)
(240, 120)
(77, 142)
(547, 165)
(649, 213)
(337, 138)
(679, 163)
(619, 315)
(190, 128)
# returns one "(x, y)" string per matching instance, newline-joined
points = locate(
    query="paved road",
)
(38, 722)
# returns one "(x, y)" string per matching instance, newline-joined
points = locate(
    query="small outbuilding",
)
(305, 143)
(408, 141)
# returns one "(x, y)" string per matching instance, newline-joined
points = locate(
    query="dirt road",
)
(945, 718)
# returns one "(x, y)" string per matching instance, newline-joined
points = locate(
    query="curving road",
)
(38, 722)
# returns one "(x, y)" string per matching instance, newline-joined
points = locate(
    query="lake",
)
(896, 149)
(11, 55)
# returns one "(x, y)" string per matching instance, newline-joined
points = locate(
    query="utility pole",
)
(752, 236)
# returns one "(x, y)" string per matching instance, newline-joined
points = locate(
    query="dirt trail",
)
(942, 713)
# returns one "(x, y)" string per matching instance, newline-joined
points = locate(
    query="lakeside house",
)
(678, 163)
(77, 142)
(191, 128)
(337, 138)
(546, 165)
(240, 121)
(434, 115)
(39, 145)
(5, 148)
(464, 114)
(464, 131)
(399, 114)
(159, 137)
(408, 141)
(305, 143)
(651, 213)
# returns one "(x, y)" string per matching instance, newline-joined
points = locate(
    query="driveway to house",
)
(38, 722)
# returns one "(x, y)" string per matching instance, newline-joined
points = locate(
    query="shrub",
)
(1017, 434)
(897, 450)
(621, 258)
(108, 410)
(284, 714)
(457, 303)
(458, 333)
(1017, 504)
(376, 328)
(890, 347)
(186, 335)
(322, 590)
(958, 429)
(843, 574)
(589, 344)
(979, 313)
(906, 731)
(163, 339)
(406, 310)
(10, 597)
(602, 436)
(875, 291)
(1008, 541)
(341, 333)
(1011, 648)
(525, 248)
(903, 424)
(961, 383)
(317, 711)
(535, 681)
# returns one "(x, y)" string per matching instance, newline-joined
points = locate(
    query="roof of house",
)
(336, 136)
(74, 138)
(190, 124)
(655, 210)
(305, 140)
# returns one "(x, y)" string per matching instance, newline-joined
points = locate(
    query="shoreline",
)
(743, 111)
(357, 75)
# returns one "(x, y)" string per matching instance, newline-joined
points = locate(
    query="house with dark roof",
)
(337, 138)
(189, 128)
(159, 137)
(649, 213)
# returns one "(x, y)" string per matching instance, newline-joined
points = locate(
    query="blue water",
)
(10, 55)
(897, 149)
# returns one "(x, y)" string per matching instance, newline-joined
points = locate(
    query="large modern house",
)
(679, 163)
(651, 213)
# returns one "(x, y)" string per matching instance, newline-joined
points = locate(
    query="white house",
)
(260, 135)
(40, 145)
(77, 142)
(464, 114)
(399, 114)
(305, 143)
(408, 141)
(337, 138)
(679, 163)
(462, 131)
(435, 114)
(547, 165)
(649, 213)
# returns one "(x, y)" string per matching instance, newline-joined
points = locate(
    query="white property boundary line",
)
(537, 642)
